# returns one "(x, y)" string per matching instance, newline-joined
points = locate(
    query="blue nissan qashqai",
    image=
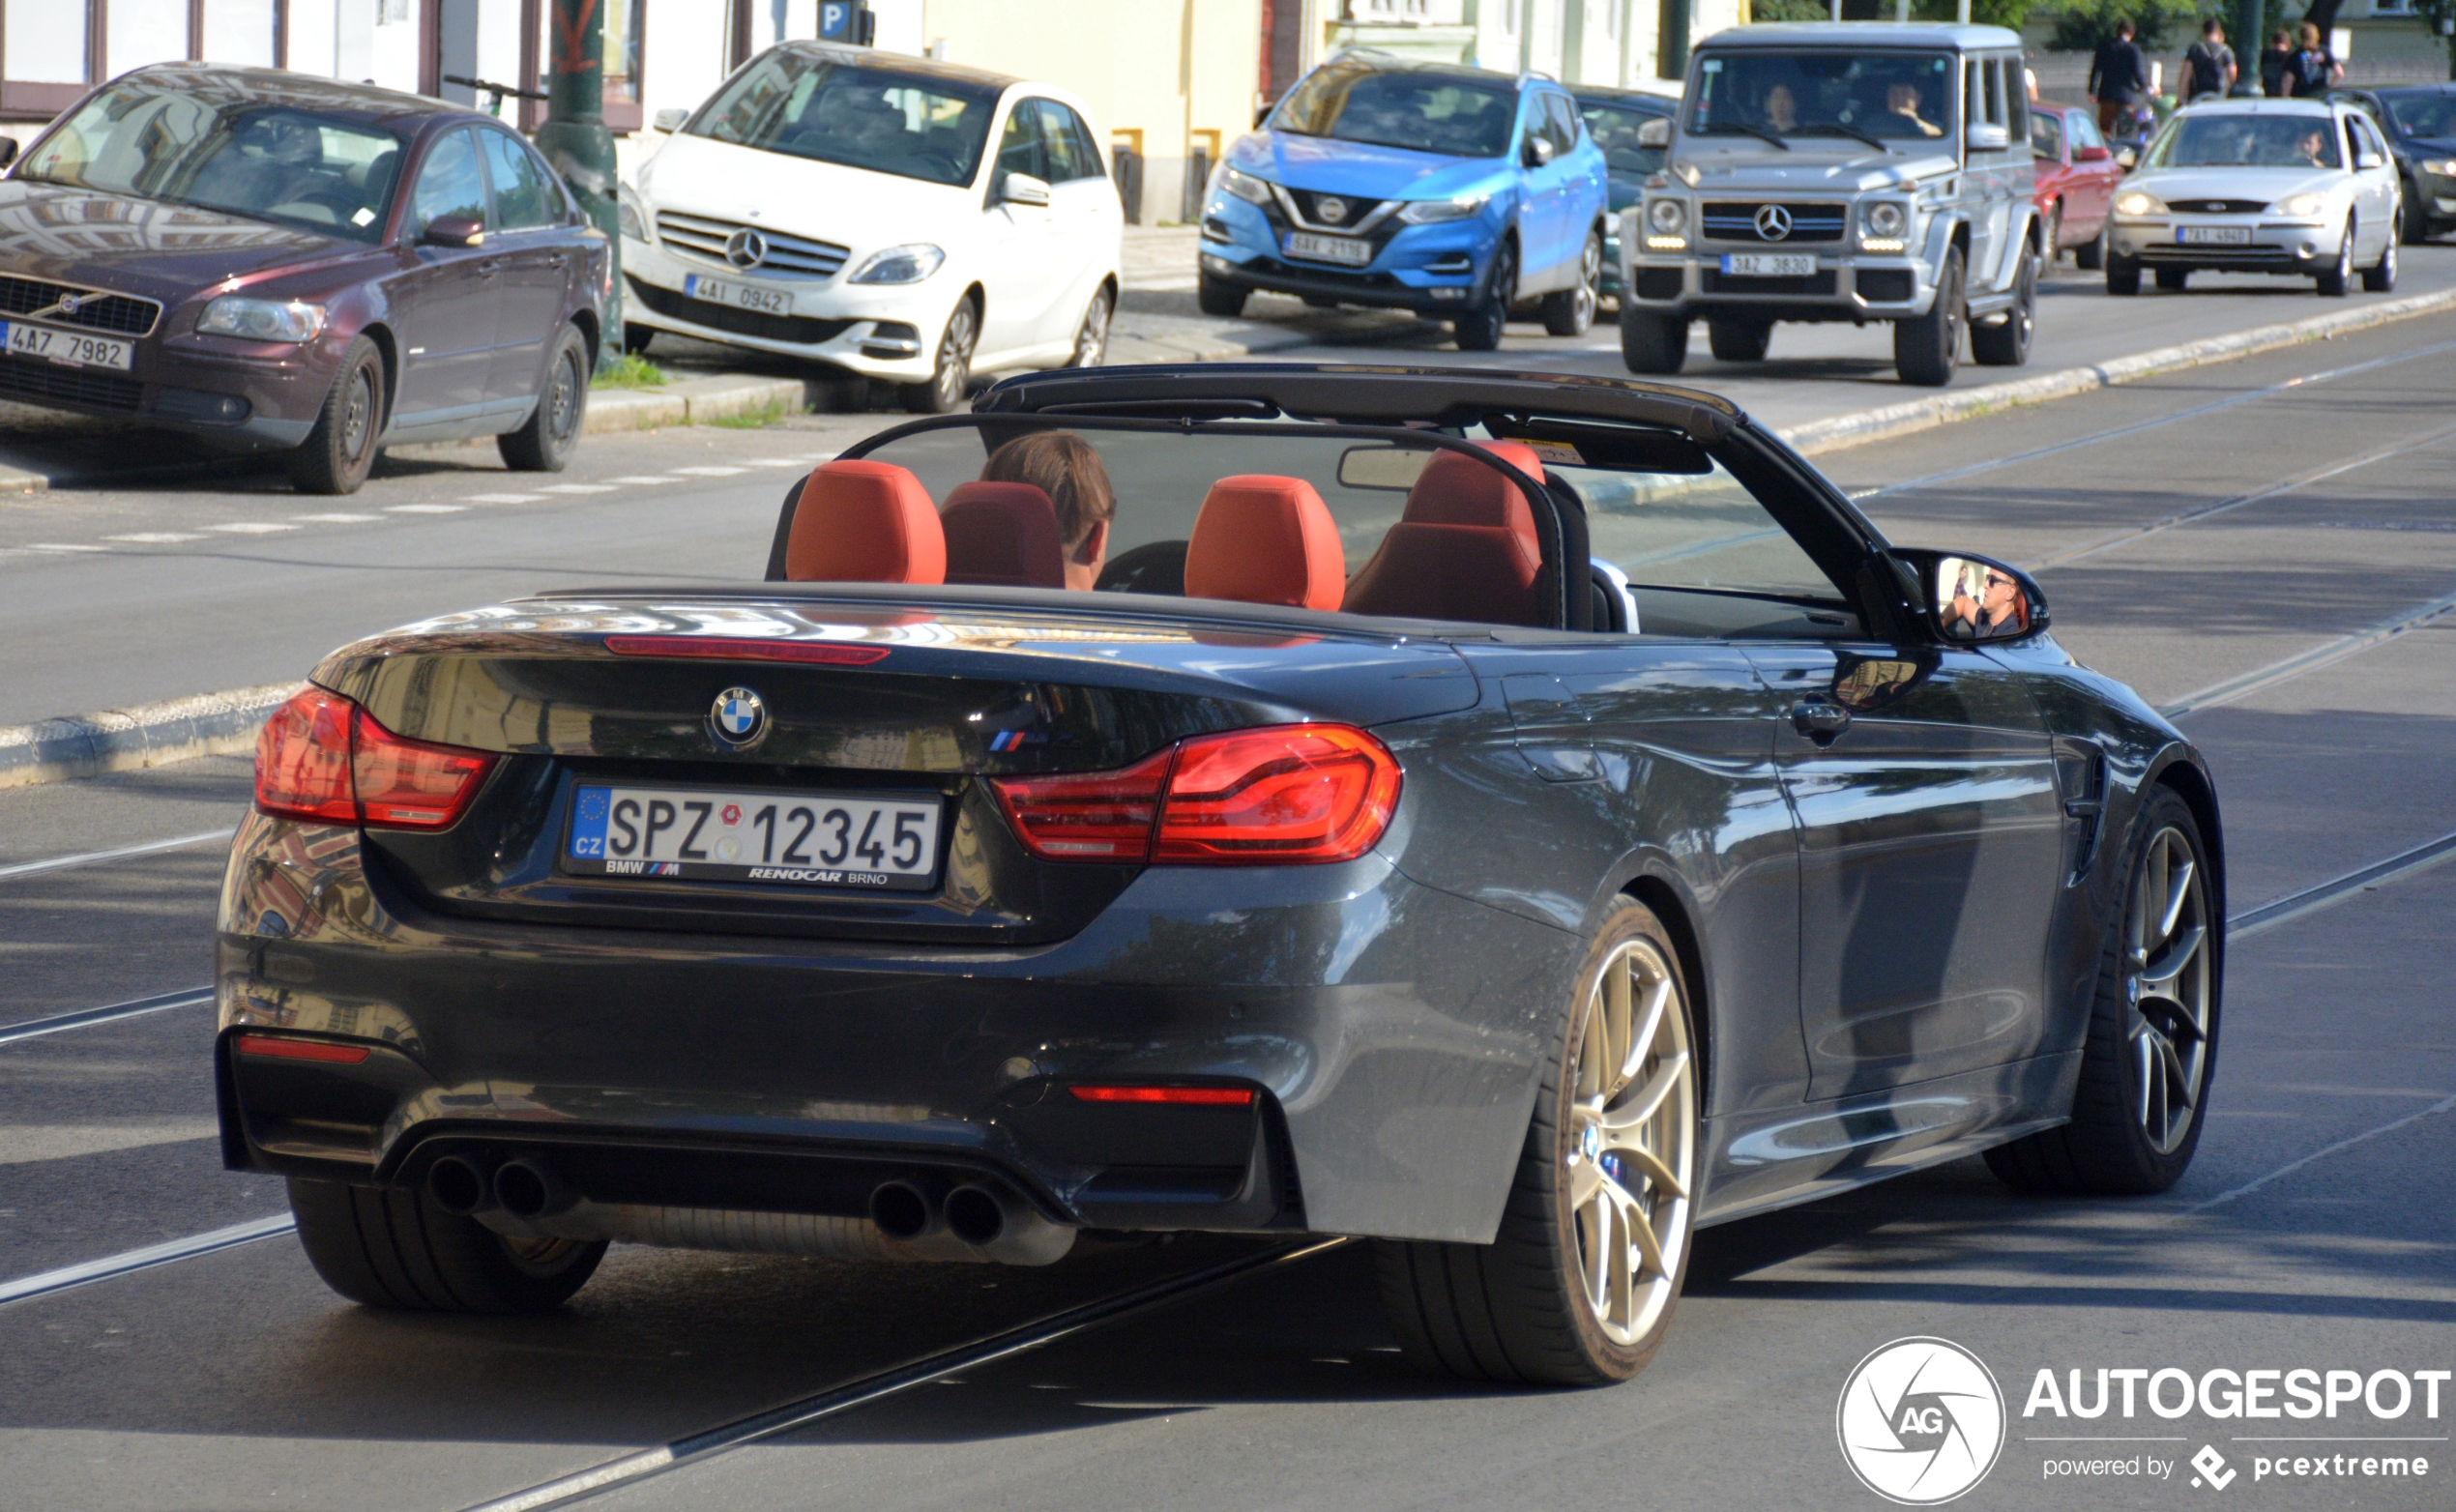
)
(1455, 193)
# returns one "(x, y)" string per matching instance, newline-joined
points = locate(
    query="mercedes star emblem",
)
(1773, 222)
(745, 249)
(1331, 209)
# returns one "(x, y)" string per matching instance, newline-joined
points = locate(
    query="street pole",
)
(575, 142)
(2248, 43)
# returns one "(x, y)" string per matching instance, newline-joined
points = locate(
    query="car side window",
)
(2046, 138)
(451, 184)
(2016, 99)
(2366, 139)
(1056, 143)
(1563, 121)
(2085, 131)
(1019, 149)
(523, 198)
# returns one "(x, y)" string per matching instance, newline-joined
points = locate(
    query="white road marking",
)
(156, 537)
(774, 461)
(337, 519)
(151, 1254)
(578, 488)
(62, 1023)
(642, 478)
(116, 853)
(427, 509)
(25, 1144)
(709, 472)
(52, 545)
(2444, 1105)
(251, 527)
(501, 498)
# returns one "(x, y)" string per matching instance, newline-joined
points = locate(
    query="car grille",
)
(124, 314)
(799, 330)
(1309, 205)
(1884, 285)
(1729, 221)
(2218, 207)
(44, 380)
(1714, 282)
(788, 256)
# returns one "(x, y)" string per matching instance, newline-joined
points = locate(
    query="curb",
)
(691, 401)
(147, 735)
(1840, 432)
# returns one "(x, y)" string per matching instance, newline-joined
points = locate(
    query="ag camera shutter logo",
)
(1920, 1421)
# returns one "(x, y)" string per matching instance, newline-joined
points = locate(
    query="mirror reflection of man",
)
(1903, 99)
(1987, 605)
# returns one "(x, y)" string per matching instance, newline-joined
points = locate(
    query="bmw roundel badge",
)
(739, 720)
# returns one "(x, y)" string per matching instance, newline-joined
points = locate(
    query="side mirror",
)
(1537, 152)
(670, 119)
(1022, 189)
(1657, 133)
(7, 151)
(1262, 113)
(453, 231)
(1986, 137)
(1972, 598)
(2369, 159)
(2090, 154)
(2129, 158)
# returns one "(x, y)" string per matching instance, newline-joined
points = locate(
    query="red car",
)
(2077, 175)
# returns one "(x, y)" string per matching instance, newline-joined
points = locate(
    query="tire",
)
(394, 1249)
(951, 379)
(2007, 344)
(2123, 1137)
(1926, 349)
(2412, 230)
(2122, 276)
(1480, 329)
(2334, 284)
(635, 337)
(1218, 297)
(2173, 279)
(340, 451)
(1092, 338)
(2380, 276)
(545, 440)
(2090, 256)
(1570, 313)
(1525, 1307)
(1738, 340)
(1653, 343)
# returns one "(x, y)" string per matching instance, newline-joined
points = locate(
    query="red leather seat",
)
(1265, 540)
(1465, 547)
(1005, 535)
(864, 522)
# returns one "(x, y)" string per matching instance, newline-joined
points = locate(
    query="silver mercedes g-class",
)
(1860, 171)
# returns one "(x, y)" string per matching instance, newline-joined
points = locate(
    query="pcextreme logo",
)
(1920, 1421)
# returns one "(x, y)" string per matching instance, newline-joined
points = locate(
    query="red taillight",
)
(301, 1049)
(718, 648)
(1191, 1096)
(323, 757)
(1296, 792)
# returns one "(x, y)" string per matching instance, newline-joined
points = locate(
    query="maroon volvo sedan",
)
(277, 260)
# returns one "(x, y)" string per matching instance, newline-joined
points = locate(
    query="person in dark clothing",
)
(2117, 75)
(2316, 70)
(2277, 65)
(2209, 63)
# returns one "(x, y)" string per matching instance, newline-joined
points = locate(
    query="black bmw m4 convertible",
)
(1516, 820)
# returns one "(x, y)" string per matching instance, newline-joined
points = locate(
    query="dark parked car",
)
(231, 252)
(1614, 118)
(2420, 126)
(1517, 820)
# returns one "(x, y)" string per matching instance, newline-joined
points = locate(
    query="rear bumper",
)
(1384, 1028)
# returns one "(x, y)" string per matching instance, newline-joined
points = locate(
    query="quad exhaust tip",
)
(530, 1189)
(904, 1211)
(457, 1186)
(975, 1215)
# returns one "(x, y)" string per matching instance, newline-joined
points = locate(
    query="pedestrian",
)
(2117, 75)
(2209, 63)
(2277, 65)
(2316, 70)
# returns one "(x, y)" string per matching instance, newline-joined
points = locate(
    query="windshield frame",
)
(988, 98)
(1694, 122)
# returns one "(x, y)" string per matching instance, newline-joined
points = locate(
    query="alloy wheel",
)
(1589, 277)
(955, 357)
(1092, 343)
(1631, 1156)
(2166, 930)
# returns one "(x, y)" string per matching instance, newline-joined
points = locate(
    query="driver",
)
(2313, 149)
(1064, 466)
(1782, 112)
(1902, 100)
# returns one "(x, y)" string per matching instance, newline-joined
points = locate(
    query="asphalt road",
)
(2251, 527)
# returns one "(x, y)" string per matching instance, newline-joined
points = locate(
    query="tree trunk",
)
(2324, 15)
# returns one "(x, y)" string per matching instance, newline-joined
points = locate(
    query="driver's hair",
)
(1064, 466)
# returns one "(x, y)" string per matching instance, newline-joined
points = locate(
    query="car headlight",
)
(2300, 205)
(2139, 202)
(1667, 215)
(628, 217)
(2444, 167)
(1246, 187)
(1432, 212)
(910, 263)
(261, 320)
(1886, 218)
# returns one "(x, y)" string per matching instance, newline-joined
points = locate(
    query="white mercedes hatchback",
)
(2296, 186)
(907, 221)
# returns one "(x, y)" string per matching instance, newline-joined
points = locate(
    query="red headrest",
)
(1456, 489)
(864, 522)
(1266, 540)
(1003, 533)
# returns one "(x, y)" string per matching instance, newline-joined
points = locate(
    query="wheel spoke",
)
(2178, 1082)
(1615, 1009)
(1585, 1176)
(1641, 1229)
(1658, 999)
(2158, 976)
(1651, 1166)
(1648, 1099)
(2146, 1054)
(2178, 892)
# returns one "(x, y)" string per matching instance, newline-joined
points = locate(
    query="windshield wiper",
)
(1837, 128)
(1757, 131)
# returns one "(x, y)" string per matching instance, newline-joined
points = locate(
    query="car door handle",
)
(1820, 721)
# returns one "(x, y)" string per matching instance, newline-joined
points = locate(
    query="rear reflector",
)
(1280, 795)
(301, 1049)
(1196, 1097)
(707, 647)
(321, 757)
